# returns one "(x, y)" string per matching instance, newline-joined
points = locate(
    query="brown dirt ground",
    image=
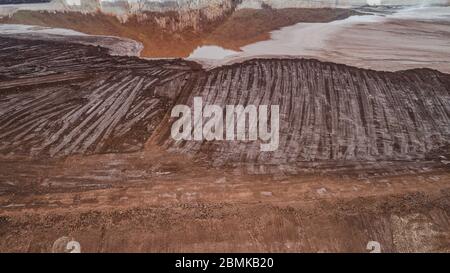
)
(104, 202)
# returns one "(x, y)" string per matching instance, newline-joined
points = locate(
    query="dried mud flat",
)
(85, 153)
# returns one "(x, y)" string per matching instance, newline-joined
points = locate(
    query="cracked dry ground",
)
(86, 152)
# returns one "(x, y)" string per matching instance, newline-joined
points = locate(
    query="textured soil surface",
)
(155, 202)
(86, 153)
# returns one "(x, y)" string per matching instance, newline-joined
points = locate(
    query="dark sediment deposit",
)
(85, 151)
(64, 99)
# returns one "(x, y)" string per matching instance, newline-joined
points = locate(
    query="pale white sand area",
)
(16, 29)
(211, 53)
(411, 38)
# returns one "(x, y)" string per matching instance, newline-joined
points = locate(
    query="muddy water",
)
(170, 34)
(409, 38)
(384, 39)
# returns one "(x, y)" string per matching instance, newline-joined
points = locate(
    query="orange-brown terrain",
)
(177, 34)
(86, 153)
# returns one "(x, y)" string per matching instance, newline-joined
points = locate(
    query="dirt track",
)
(183, 207)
